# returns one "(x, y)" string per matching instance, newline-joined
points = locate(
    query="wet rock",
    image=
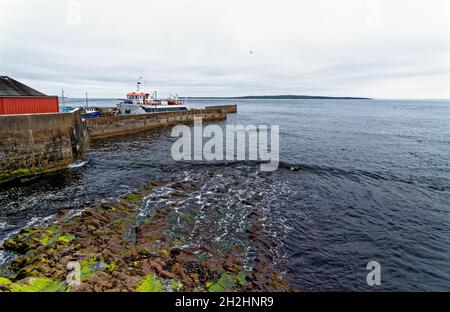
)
(63, 213)
(107, 233)
(195, 278)
(160, 261)
(156, 266)
(20, 263)
(66, 259)
(230, 266)
(166, 274)
(146, 267)
(182, 255)
(114, 290)
(104, 280)
(84, 287)
(185, 185)
(19, 244)
(91, 228)
(109, 206)
(206, 248)
(60, 274)
(178, 270)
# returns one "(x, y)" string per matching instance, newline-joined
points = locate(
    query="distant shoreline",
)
(277, 97)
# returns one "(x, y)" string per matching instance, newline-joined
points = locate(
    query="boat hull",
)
(91, 115)
(135, 109)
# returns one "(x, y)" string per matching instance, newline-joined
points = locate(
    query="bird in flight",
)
(251, 52)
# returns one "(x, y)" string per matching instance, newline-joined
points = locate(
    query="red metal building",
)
(17, 98)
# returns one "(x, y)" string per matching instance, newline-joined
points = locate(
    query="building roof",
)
(11, 87)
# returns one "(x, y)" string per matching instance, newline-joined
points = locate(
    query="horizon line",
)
(281, 95)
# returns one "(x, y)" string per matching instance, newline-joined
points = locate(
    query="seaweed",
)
(38, 284)
(4, 281)
(176, 285)
(131, 197)
(90, 266)
(151, 284)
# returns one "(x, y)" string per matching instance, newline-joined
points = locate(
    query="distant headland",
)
(279, 97)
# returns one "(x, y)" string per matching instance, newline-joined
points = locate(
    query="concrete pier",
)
(113, 126)
(230, 108)
(38, 143)
(35, 143)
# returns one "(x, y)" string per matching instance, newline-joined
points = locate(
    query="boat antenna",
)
(138, 84)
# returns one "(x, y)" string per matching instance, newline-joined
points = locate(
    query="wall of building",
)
(38, 143)
(28, 105)
(112, 126)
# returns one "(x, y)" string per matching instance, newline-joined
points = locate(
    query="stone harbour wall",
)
(37, 143)
(230, 108)
(113, 126)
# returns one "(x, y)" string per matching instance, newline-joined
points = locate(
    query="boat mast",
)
(87, 103)
(138, 88)
(62, 97)
(138, 84)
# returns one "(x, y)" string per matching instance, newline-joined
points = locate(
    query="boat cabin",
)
(138, 97)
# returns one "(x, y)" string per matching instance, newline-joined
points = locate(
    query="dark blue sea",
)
(359, 181)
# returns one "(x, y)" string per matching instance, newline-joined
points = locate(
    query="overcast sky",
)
(375, 48)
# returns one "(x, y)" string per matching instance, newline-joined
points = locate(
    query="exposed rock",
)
(115, 254)
(165, 274)
(155, 265)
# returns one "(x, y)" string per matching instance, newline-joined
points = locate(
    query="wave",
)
(78, 164)
(430, 183)
(3, 225)
(433, 184)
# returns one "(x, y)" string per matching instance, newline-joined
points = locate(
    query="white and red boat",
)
(139, 102)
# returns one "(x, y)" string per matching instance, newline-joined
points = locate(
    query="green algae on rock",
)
(66, 238)
(4, 281)
(151, 284)
(176, 285)
(131, 197)
(33, 237)
(21, 172)
(38, 284)
(91, 266)
(227, 282)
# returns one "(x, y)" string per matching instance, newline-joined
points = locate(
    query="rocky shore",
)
(120, 248)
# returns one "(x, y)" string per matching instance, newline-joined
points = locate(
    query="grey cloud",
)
(202, 48)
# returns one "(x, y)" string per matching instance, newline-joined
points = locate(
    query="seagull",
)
(251, 52)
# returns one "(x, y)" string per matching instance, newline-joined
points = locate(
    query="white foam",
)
(78, 164)
(2, 257)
